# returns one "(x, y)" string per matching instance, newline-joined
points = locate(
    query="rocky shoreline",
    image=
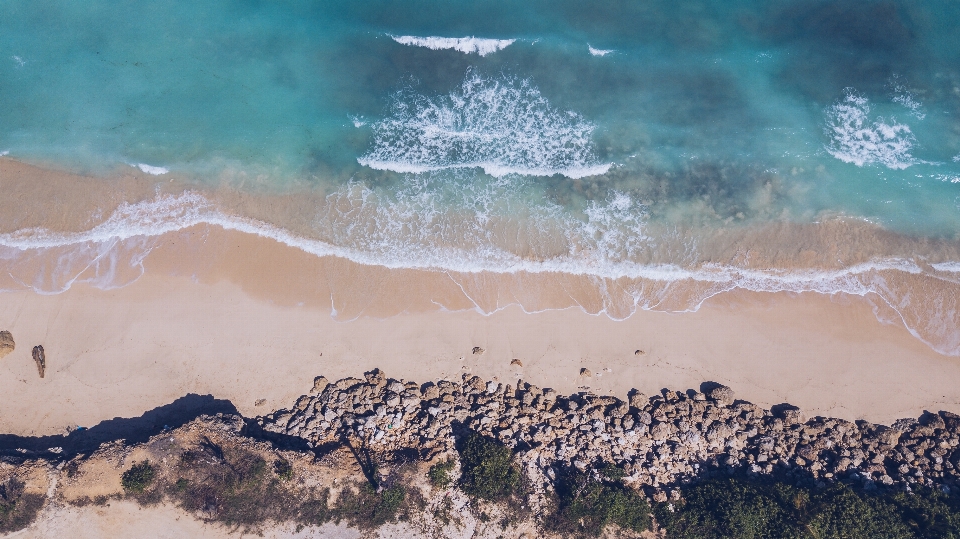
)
(661, 441)
(372, 452)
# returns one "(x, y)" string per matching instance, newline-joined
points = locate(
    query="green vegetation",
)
(487, 467)
(283, 469)
(17, 508)
(739, 509)
(587, 502)
(138, 477)
(439, 473)
(365, 508)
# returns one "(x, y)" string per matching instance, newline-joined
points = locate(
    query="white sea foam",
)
(20, 61)
(467, 45)
(855, 138)
(411, 229)
(149, 169)
(956, 158)
(599, 52)
(358, 122)
(4, 152)
(502, 125)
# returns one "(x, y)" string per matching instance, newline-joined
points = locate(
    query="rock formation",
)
(660, 441)
(40, 358)
(6, 343)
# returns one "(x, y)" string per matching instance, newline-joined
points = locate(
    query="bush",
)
(367, 509)
(487, 469)
(283, 469)
(138, 477)
(587, 502)
(439, 473)
(738, 509)
(18, 509)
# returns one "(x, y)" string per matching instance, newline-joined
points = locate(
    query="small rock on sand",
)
(639, 353)
(260, 402)
(6, 343)
(40, 358)
(585, 373)
(477, 350)
(517, 363)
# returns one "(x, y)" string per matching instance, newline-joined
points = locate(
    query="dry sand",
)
(118, 353)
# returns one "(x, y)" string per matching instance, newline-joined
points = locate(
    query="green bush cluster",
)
(439, 473)
(236, 488)
(732, 508)
(487, 468)
(138, 477)
(17, 507)
(588, 501)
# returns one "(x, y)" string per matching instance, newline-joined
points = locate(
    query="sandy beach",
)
(242, 336)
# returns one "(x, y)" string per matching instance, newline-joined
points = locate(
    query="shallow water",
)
(687, 147)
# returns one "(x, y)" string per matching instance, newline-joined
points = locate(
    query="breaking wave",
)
(501, 125)
(467, 45)
(855, 138)
(607, 244)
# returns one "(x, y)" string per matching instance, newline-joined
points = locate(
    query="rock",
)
(375, 378)
(516, 362)
(639, 352)
(723, 395)
(40, 358)
(478, 351)
(392, 399)
(638, 400)
(791, 416)
(319, 384)
(6, 343)
(431, 392)
(585, 373)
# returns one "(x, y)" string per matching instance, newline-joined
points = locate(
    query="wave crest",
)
(502, 125)
(466, 45)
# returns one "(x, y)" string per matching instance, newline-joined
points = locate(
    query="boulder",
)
(40, 358)
(723, 395)
(319, 384)
(6, 343)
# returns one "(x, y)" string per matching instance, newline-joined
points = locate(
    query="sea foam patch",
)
(599, 52)
(502, 125)
(856, 138)
(149, 169)
(467, 45)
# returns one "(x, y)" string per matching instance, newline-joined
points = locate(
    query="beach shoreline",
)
(121, 352)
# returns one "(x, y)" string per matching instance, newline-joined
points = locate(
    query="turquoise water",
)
(561, 136)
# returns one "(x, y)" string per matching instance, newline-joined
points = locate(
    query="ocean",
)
(664, 151)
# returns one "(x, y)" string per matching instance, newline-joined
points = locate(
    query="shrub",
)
(439, 473)
(487, 469)
(367, 509)
(18, 509)
(587, 502)
(138, 477)
(283, 469)
(738, 509)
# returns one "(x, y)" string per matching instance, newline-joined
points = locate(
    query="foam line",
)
(165, 214)
(466, 45)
